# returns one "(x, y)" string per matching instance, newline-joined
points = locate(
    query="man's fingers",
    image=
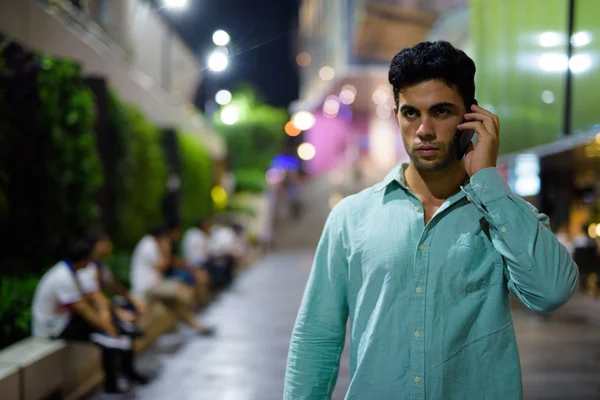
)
(478, 127)
(487, 120)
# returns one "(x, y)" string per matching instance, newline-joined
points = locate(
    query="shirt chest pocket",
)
(473, 264)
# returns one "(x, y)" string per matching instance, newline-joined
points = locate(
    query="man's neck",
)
(438, 185)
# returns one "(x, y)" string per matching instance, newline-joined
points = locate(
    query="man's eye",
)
(442, 112)
(410, 113)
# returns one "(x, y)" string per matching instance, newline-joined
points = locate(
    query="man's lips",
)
(427, 150)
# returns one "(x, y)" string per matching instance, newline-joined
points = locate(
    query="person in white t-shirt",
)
(60, 310)
(126, 308)
(195, 244)
(150, 261)
(225, 251)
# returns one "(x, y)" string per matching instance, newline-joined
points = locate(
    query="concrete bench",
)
(83, 370)
(10, 386)
(38, 362)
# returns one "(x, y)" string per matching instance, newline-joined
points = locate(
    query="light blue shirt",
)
(428, 305)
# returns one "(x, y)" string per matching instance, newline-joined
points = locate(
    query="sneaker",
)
(136, 377)
(111, 342)
(206, 331)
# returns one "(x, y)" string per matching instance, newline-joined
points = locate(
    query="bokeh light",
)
(307, 151)
(348, 94)
(218, 61)
(303, 120)
(327, 73)
(291, 130)
(230, 115)
(223, 97)
(303, 59)
(219, 197)
(221, 38)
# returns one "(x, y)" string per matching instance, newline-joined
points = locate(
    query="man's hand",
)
(485, 153)
(125, 315)
(140, 305)
(105, 316)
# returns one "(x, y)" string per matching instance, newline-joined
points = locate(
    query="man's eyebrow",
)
(443, 105)
(436, 106)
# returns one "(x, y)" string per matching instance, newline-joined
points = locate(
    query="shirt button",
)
(418, 290)
(422, 247)
(417, 208)
(417, 379)
(469, 198)
(417, 334)
(503, 229)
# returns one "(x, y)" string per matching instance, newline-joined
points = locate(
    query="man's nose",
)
(426, 127)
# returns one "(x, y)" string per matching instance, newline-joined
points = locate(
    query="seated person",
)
(183, 270)
(130, 308)
(149, 264)
(61, 310)
(195, 244)
(94, 279)
(222, 256)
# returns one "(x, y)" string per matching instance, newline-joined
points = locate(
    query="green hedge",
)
(144, 184)
(16, 295)
(49, 165)
(257, 136)
(196, 179)
(249, 180)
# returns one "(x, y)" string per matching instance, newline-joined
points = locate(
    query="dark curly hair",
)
(433, 60)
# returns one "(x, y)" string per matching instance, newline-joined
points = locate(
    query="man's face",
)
(427, 116)
(81, 263)
(175, 234)
(103, 247)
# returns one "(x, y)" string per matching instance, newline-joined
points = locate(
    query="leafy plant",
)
(74, 172)
(249, 180)
(119, 264)
(49, 166)
(16, 297)
(144, 182)
(257, 136)
(196, 179)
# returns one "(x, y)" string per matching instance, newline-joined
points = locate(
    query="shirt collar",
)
(69, 265)
(397, 175)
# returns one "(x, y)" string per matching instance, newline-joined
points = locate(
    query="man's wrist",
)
(488, 185)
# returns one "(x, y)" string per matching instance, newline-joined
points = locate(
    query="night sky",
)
(263, 34)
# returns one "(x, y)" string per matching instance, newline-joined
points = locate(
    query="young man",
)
(61, 310)
(195, 244)
(151, 259)
(423, 262)
(96, 278)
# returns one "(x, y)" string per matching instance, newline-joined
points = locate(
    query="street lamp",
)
(230, 115)
(218, 61)
(175, 4)
(221, 38)
(223, 97)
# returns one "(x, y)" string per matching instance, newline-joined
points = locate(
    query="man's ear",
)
(396, 115)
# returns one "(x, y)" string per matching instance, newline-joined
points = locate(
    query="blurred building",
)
(129, 43)
(538, 68)
(344, 51)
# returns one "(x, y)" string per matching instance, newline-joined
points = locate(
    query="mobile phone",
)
(462, 139)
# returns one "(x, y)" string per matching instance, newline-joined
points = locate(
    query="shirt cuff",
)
(488, 185)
